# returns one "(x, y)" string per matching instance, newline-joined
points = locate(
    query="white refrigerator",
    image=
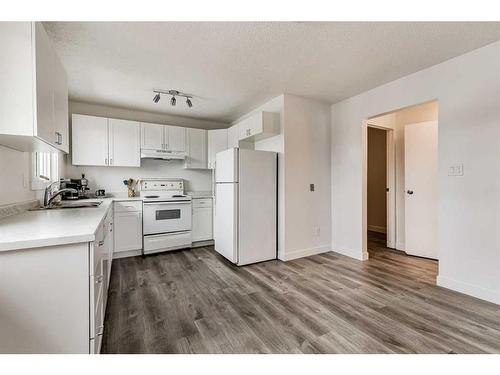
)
(245, 226)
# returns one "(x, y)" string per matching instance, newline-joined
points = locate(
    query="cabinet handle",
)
(101, 243)
(58, 138)
(100, 330)
(110, 161)
(99, 279)
(106, 161)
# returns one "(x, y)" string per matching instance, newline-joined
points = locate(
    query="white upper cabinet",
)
(44, 73)
(217, 141)
(124, 143)
(61, 107)
(152, 136)
(259, 126)
(175, 138)
(105, 142)
(34, 97)
(233, 136)
(89, 137)
(163, 137)
(196, 144)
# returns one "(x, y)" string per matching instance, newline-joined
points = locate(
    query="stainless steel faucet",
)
(49, 197)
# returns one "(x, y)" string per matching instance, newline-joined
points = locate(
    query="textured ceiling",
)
(231, 68)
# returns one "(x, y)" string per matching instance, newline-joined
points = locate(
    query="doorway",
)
(379, 210)
(401, 149)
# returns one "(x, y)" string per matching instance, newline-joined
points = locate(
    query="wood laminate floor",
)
(195, 301)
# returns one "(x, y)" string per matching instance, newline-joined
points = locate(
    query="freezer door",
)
(257, 235)
(226, 166)
(226, 220)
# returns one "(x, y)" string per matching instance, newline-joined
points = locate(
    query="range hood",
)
(162, 154)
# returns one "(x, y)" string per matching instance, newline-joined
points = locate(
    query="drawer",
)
(169, 241)
(127, 206)
(202, 202)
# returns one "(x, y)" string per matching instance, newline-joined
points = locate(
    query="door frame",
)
(391, 184)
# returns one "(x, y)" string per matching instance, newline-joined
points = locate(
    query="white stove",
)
(160, 189)
(167, 215)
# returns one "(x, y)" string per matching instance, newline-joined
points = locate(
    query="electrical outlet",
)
(456, 170)
(311, 187)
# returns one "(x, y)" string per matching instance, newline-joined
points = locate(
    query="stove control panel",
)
(162, 184)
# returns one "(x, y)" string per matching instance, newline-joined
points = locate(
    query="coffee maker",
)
(79, 184)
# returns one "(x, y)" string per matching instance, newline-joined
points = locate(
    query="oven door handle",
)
(165, 203)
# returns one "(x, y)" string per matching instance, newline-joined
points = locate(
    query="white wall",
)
(110, 178)
(15, 181)
(303, 148)
(468, 91)
(307, 161)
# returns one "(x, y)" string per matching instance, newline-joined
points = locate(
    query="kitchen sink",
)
(64, 205)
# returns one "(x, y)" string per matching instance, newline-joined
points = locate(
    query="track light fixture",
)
(173, 100)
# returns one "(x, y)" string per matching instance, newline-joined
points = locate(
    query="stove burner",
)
(152, 196)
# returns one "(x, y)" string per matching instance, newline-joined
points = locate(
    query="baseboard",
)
(304, 252)
(469, 289)
(202, 243)
(400, 246)
(376, 228)
(126, 254)
(356, 254)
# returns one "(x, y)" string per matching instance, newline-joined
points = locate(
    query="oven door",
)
(165, 217)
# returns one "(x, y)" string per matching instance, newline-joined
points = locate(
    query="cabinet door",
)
(197, 149)
(152, 136)
(232, 136)
(127, 231)
(44, 62)
(124, 143)
(217, 141)
(202, 224)
(61, 106)
(108, 254)
(89, 140)
(175, 137)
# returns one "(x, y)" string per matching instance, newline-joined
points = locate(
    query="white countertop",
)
(200, 194)
(53, 227)
(33, 229)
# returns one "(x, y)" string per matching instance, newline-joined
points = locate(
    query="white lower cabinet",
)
(202, 220)
(127, 226)
(53, 298)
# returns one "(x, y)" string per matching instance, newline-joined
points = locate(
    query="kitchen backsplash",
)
(111, 178)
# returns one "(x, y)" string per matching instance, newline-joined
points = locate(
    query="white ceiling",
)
(231, 68)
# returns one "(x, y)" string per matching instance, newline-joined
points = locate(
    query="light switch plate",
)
(456, 170)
